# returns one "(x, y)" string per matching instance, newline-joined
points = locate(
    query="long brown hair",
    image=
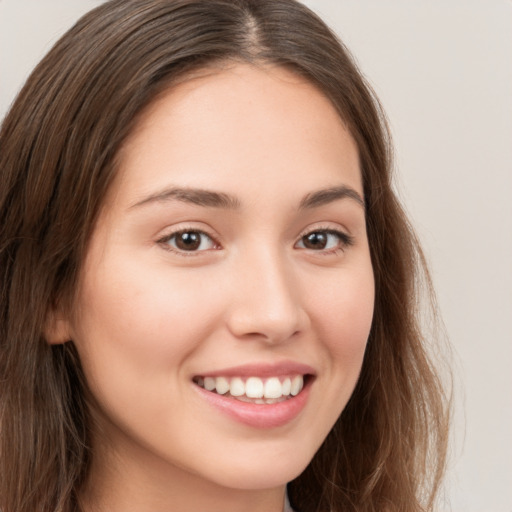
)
(58, 148)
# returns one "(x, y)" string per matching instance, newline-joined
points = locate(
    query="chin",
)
(263, 473)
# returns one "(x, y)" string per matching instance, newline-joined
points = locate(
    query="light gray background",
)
(443, 70)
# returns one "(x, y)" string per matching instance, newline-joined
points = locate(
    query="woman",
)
(208, 286)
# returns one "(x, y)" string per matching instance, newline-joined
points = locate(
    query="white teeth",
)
(287, 386)
(254, 389)
(209, 383)
(297, 384)
(221, 385)
(273, 388)
(237, 387)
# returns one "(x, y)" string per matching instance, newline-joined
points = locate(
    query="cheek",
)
(343, 319)
(135, 320)
(345, 313)
(136, 333)
(341, 313)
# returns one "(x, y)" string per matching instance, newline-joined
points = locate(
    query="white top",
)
(287, 507)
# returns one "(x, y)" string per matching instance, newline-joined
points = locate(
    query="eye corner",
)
(193, 242)
(325, 240)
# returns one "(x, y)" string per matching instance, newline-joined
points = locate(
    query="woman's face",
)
(231, 252)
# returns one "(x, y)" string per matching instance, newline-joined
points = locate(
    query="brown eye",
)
(322, 240)
(315, 240)
(190, 241)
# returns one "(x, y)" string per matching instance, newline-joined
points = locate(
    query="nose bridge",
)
(267, 302)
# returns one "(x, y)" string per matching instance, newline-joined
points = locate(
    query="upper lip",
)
(283, 368)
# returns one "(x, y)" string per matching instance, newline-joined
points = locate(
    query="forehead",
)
(224, 123)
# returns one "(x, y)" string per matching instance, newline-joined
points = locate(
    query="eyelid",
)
(346, 240)
(164, 240)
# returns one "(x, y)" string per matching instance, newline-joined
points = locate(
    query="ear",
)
(57, 329)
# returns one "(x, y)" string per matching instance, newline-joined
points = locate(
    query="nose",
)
(267, 303)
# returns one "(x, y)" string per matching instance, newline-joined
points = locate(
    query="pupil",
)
(315, 241)
(188, 241)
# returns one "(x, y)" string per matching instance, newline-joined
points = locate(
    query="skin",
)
(151, 317)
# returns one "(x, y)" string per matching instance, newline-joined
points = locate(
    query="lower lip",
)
(262, 416)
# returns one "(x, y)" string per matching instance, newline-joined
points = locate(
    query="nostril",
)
(251, 325)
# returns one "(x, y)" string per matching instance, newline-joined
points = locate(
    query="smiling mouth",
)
(255, 390)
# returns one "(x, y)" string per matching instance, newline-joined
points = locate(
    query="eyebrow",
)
(197, 196)
(212, 199)
(329, 195)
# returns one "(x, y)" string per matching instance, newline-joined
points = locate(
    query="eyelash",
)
(345, 241)
(164, 241)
